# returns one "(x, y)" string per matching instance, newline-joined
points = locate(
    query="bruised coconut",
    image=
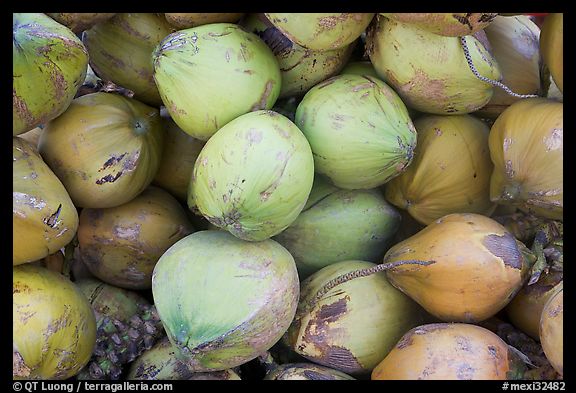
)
(552, 331)
(321, 31)
(552, 47)
(444, 23)
(337, 225)
(301, 68)
(439, 182)
(44, 219)
(105, 148)
(305, 372)
(352, 327)
(223, 301)
(121, 245)
(53, 324)
(449, 351)
(253, 176)
(526, 147)
(48, 67)
(359, 130)
(120, 51)
(430, 72)
(178, 158)
(211, 74)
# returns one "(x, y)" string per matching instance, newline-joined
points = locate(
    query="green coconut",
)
(222, 300)
(338, 225)
(105, 148)
(44, 219)
(253, 176)
(211, 74)
(301, 68)
(445, 23)
(306, 372)
(321, 31)
(429, 71)
(120, 51)
(48, 67)
(359, 130)
(352, 327)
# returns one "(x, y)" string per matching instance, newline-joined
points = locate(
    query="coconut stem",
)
(487, 80)
(363, 273)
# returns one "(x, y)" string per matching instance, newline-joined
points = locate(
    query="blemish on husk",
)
(109, 178)
(555, 140)
(19, 367)
(52, 220)
(261, 104)
(342, 359)
(505, 248)
(331, 312)
(111, 161)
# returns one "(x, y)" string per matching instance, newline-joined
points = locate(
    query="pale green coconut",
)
(359, 130)
(49, 64)
(211, 74)
(222, 300)
(354, 325)
(301, 68)
(429, 71)
(253, 176)
(338, 225)
(321, 31)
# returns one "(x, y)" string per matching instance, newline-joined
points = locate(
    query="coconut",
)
(187, 20)
(337, 225)
(105, 148)
(444, 23)
(449, 351)
(352, 327)
(120, 51)
(211, 74)
(305, 372)
(121, 245)
(253, 176)
(49, 65)
(321, 31)
(439, 182)
(551, 47)
(360, 68)
(44, 219)
(80, 21)
(552, 331)
(222, 300)
(161, 363)
(359, 130)
(301, 68)
(514, 42)
(178, 158)
(430, 72)
(526, 147)
(53, 324)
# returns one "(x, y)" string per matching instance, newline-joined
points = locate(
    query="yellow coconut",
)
(450, 171)
(526, 147)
